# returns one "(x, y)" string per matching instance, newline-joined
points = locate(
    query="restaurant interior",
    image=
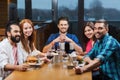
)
(44, 14)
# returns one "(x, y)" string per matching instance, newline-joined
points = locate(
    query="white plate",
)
(37, 64)
(82, 64)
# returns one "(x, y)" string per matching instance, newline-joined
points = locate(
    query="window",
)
(106, 9)
(68, 8)
(21, 8)
(41, 10)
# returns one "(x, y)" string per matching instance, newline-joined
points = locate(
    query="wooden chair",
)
(2, 34)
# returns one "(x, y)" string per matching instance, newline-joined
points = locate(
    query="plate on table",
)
(36, 64)
(82, 64)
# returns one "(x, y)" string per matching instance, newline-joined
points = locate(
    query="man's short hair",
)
(8, 26)
(102, 21)
(63, 18)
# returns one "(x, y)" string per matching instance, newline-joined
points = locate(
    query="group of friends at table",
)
(102, 52)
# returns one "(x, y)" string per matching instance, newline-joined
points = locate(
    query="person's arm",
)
(21, 67)
(77, 48)
(50, 43)
(109, 47)
(75, 43)
(92, 65)
(47, 47)
(87, 59)
(4, 63)
(6, 66)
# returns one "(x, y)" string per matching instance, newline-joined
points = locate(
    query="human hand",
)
(62, 37)
(22, 67)
(58, 39)
(87, 60)
(45, 59)
(78, 70)
(67, 39)
(41, 55)
(96, 69)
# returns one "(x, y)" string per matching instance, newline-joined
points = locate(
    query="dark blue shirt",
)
(54, 36)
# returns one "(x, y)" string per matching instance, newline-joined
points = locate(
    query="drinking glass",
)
(65, 59)
(49, 55)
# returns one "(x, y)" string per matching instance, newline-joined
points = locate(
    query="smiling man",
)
(10, 59)
(62, 36)
(105, 53)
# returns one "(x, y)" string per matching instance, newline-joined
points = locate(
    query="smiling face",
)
(63, 26)
(89, 32)
(14, 34)
(27, 29)
(100, 30)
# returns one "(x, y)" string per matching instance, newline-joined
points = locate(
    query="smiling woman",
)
(103, 9)
(89, 38)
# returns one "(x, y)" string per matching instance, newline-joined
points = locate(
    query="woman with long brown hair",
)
(27, 39)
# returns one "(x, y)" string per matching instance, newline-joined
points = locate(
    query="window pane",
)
(106, 9)
(68, 8)
(41, 10)
(21, 8)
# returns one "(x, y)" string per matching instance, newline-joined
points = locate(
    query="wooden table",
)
(49, 72)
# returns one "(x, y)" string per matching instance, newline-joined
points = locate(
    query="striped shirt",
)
(108, 51)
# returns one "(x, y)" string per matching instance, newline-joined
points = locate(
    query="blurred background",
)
(44, 14)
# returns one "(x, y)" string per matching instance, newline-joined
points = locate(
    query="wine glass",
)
(49, 55)
(65, 59)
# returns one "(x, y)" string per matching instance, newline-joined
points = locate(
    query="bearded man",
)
(10, 59)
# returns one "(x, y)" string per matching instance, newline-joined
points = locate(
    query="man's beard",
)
(15, 39)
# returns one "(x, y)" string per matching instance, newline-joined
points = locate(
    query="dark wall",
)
(114, 30)
(43, 33)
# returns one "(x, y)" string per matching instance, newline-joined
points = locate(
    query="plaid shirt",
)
(108, 51)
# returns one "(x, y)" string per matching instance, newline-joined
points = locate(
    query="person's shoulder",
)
(54, 35)
(4, 41)
(69, 34)
(107, 37)
(112, 40)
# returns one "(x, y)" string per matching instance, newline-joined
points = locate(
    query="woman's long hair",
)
(91, 25)
(30, 38)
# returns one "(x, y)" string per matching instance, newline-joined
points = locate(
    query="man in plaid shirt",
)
(105, 54)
